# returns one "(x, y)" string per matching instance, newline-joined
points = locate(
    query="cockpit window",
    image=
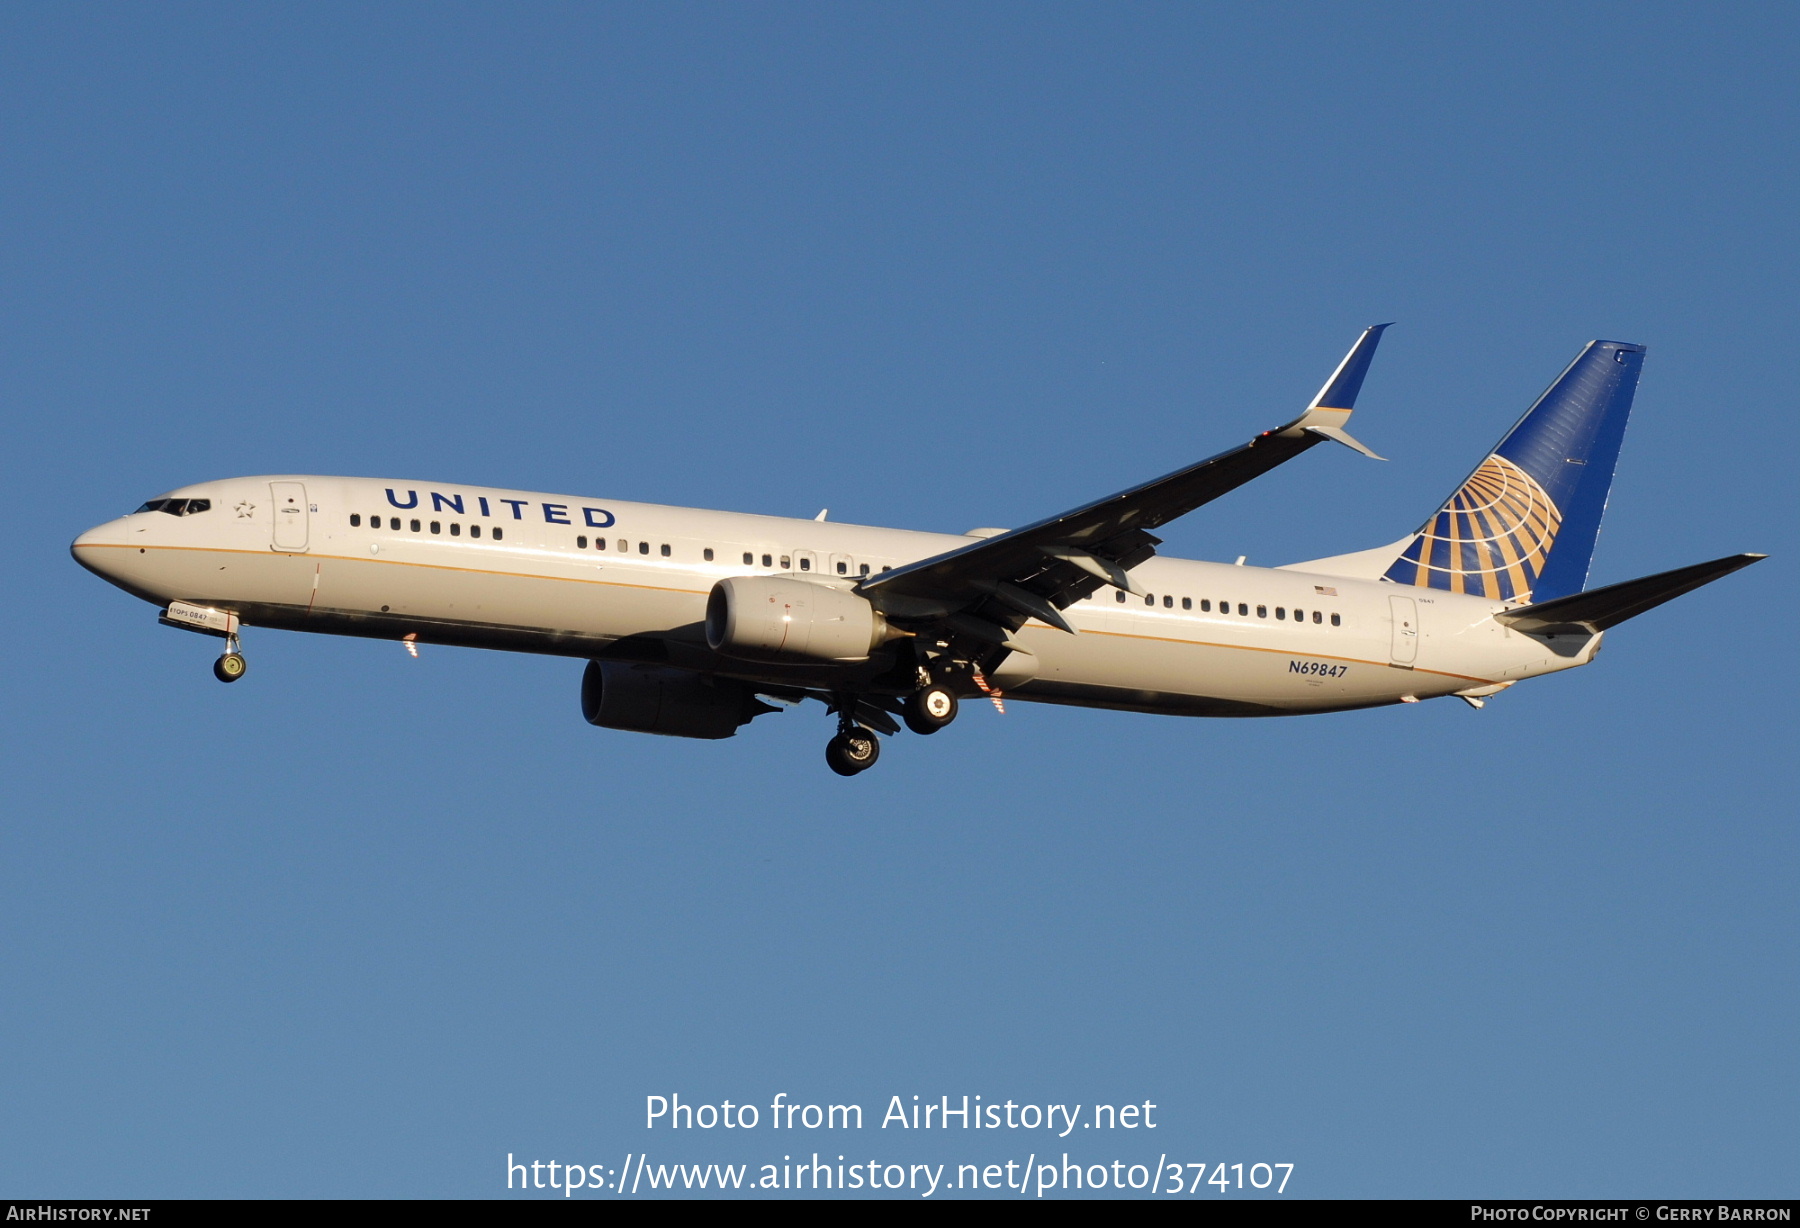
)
(177, 507)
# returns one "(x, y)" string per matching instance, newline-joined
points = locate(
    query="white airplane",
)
(694, 622)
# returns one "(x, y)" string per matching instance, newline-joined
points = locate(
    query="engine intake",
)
(778, 618)
(656, 699)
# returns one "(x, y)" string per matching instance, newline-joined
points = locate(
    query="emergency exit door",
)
(1405, 612)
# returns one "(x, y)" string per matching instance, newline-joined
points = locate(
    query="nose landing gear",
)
(208, 621)
(231, 666)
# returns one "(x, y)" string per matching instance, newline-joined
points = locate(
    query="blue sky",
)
(363, 925)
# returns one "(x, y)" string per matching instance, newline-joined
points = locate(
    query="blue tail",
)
(1523, 526)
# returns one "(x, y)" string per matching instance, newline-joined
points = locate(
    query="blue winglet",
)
(1340, 390)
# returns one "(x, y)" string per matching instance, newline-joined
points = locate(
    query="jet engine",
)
(656, 699)
(779, 618)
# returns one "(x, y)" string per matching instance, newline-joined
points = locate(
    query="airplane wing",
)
(991, 587)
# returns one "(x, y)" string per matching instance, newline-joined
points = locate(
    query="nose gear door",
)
(289, 499)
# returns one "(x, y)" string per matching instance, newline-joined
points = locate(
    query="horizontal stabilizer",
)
(1600, 608)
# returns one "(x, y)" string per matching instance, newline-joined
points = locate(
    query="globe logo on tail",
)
(1489, 540)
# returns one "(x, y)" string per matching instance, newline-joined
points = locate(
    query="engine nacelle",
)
(778, 618)
(656, 699)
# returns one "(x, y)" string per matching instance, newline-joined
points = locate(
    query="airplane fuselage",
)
(587, 577)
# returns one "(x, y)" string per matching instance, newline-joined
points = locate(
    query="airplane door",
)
(804, 561)
(1405, 614)
(843, 565)
(289, 499)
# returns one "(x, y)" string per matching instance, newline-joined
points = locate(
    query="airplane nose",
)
(95, 549)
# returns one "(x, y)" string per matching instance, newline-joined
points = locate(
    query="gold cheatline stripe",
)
(526, 575)
(353, 558)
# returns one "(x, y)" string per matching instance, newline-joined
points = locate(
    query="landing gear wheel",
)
(230, 667)
(853, 751)
(929, 709)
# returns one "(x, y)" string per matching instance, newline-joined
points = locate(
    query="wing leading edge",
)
(991, 587)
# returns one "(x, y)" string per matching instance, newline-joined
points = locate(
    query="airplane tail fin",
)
(1523, 525)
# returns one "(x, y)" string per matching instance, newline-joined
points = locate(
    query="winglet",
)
(1340, 390)
(1330, 410)
(1342, 436)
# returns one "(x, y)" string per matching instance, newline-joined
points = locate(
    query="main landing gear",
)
(929, 709)
(856, 748)
(853, 750)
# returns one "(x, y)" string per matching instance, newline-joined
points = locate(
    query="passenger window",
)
(749, 559)
(1243, 610)
(415, 526)
(643, 547)
(885, 567)
(1149, 599)
(499, 532)
(356, 520)
(707, 554)
(768, 561)
(1262, 611)
(474, 530)
(437, 526)
(786, 563)
(1168, 602)
(1120, 594)
(624, 546)
(1281, 612)
(581, 543)
(843, 568)
(1336, 621)
(1187, 603)
(865, 569)
(1205, 605)
(455, 529)
(1317, 617)
(665, 550)
(806, 564)
(394, 523)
